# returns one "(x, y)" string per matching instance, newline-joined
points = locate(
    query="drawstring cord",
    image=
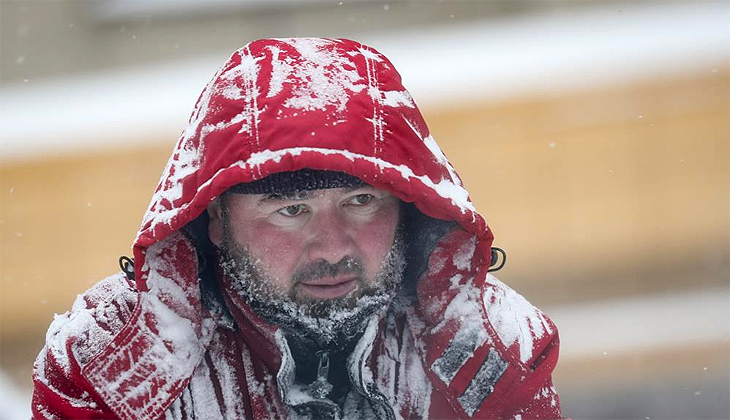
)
(127, 266)
(495, 257)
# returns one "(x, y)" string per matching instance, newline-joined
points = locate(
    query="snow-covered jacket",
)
(464, 346)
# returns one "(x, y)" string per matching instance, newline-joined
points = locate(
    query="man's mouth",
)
(330, 287)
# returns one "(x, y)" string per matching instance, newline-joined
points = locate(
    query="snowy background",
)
(593, 136)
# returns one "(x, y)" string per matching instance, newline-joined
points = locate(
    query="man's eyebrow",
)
(355, 188)
(294, 195)
(304, 194)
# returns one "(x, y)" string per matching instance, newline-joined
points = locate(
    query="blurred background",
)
(593, 136)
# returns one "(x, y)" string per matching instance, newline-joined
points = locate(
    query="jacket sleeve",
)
(489, 352)
(59, 389)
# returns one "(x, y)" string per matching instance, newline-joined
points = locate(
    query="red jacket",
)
(467, 346)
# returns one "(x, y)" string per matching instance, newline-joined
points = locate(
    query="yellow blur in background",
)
(593, 137)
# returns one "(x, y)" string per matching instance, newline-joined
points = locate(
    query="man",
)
(308, 253)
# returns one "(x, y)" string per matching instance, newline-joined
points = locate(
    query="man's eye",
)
(361, 199)
(291, 211)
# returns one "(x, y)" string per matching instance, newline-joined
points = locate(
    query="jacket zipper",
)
(321, 387)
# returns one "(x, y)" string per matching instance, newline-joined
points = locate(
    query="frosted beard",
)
(332, 324)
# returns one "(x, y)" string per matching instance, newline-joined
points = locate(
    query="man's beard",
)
(332, 324)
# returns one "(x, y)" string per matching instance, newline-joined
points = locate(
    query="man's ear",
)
(215, 225)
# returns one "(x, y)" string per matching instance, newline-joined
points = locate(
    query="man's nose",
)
(330, 237)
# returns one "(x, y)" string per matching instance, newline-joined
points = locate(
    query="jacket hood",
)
(285, 104)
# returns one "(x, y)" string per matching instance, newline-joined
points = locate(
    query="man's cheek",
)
(264, 240)
(380, 233)
(375, 247)
(279, 253)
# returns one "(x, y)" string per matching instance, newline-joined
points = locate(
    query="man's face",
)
(312, 246)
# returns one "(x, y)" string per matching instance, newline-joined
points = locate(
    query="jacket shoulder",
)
(517, 323)
(488, 351)
(95, 318)
(73, 339)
